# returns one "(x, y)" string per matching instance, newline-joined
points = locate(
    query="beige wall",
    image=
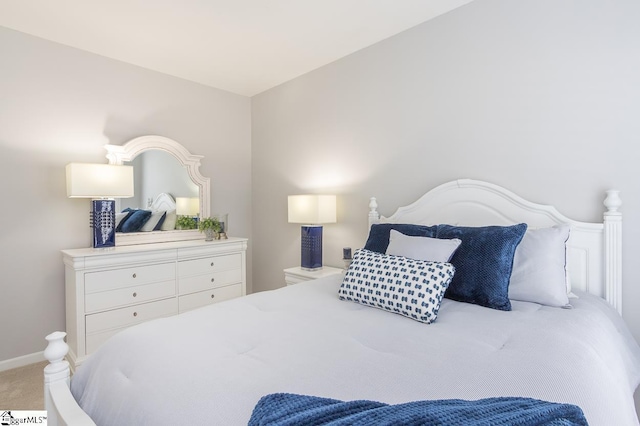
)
(60, 105)
(539, 96)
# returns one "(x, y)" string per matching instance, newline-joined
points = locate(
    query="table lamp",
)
(312, 210)
(103, 183)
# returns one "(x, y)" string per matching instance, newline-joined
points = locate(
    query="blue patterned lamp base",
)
(311, 247)
(104, 223)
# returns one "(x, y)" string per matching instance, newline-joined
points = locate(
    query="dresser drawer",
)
(126, 296)
(100, 327)
(120, 278)
(212, 280)
(209, 264)
(203, 298)
(128, 316)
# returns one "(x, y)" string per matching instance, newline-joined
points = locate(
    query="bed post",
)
(62, 408)
(56, 372)
(374, 216)
(613, 249)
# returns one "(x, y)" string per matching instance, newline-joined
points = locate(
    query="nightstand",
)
(297, 274)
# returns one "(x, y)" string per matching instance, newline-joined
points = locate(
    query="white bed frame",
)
(594, 259)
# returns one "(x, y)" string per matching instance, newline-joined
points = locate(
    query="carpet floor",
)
(22, 388)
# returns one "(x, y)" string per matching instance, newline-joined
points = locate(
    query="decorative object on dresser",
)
(189, 163)
(297, 275)
(103, 183)
(311, 210)
(211, 228)
(223, 220)
(108, 291)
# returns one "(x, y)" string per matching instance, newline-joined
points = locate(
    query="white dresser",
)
(108, 290)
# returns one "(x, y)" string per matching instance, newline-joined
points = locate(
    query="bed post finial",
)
(613, 202)
(613, 249)
(374, 216)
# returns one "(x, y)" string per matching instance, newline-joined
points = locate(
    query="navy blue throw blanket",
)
(284, 409)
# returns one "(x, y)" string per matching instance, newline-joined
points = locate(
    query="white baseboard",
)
(21, 361)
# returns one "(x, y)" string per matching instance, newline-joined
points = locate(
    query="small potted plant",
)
(210, 226)
(185, 222)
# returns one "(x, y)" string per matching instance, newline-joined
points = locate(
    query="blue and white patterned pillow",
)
(409, 287)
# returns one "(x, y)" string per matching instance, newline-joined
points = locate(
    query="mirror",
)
(161, 166)
(155, 172)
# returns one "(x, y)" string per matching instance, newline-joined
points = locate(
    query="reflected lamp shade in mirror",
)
(312, 211)
(187, 206)
(102, 183)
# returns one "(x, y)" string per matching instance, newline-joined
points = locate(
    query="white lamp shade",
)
(187, 206)
(312, 209)
(85, 180)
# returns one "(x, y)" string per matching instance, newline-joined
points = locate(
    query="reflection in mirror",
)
(156, 172)
(164, 170)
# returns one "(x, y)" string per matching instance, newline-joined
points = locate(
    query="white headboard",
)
(163, 201)
(594, 249)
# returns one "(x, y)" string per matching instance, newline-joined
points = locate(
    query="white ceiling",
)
(242, 46)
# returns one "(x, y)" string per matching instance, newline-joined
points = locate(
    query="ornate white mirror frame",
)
(119, 154)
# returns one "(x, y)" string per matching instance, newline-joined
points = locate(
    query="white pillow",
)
(169, 223)
(539, 267)
(119, 217)
(409, 287)
(422, 248)
(153, 220)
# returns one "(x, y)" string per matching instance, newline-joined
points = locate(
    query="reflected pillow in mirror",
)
(127, 214)
(539, 267)
(422, 248)
(169, 223)
(119, 218)
(135, 221)
(154, 222)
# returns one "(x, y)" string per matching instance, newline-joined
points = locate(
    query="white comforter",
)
(212, 365)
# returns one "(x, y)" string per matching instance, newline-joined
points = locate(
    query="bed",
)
(304, 340)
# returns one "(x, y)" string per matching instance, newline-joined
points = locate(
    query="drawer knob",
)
(213, 279)
(135, 314)
(211, 263)
(135, 294)
(212, 296)
(134, 275)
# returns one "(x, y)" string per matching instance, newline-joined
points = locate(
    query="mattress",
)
(212, 365)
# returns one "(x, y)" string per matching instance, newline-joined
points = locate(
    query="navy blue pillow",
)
(378, 240)
(129, 212)
(483, 263)
(134, 221)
